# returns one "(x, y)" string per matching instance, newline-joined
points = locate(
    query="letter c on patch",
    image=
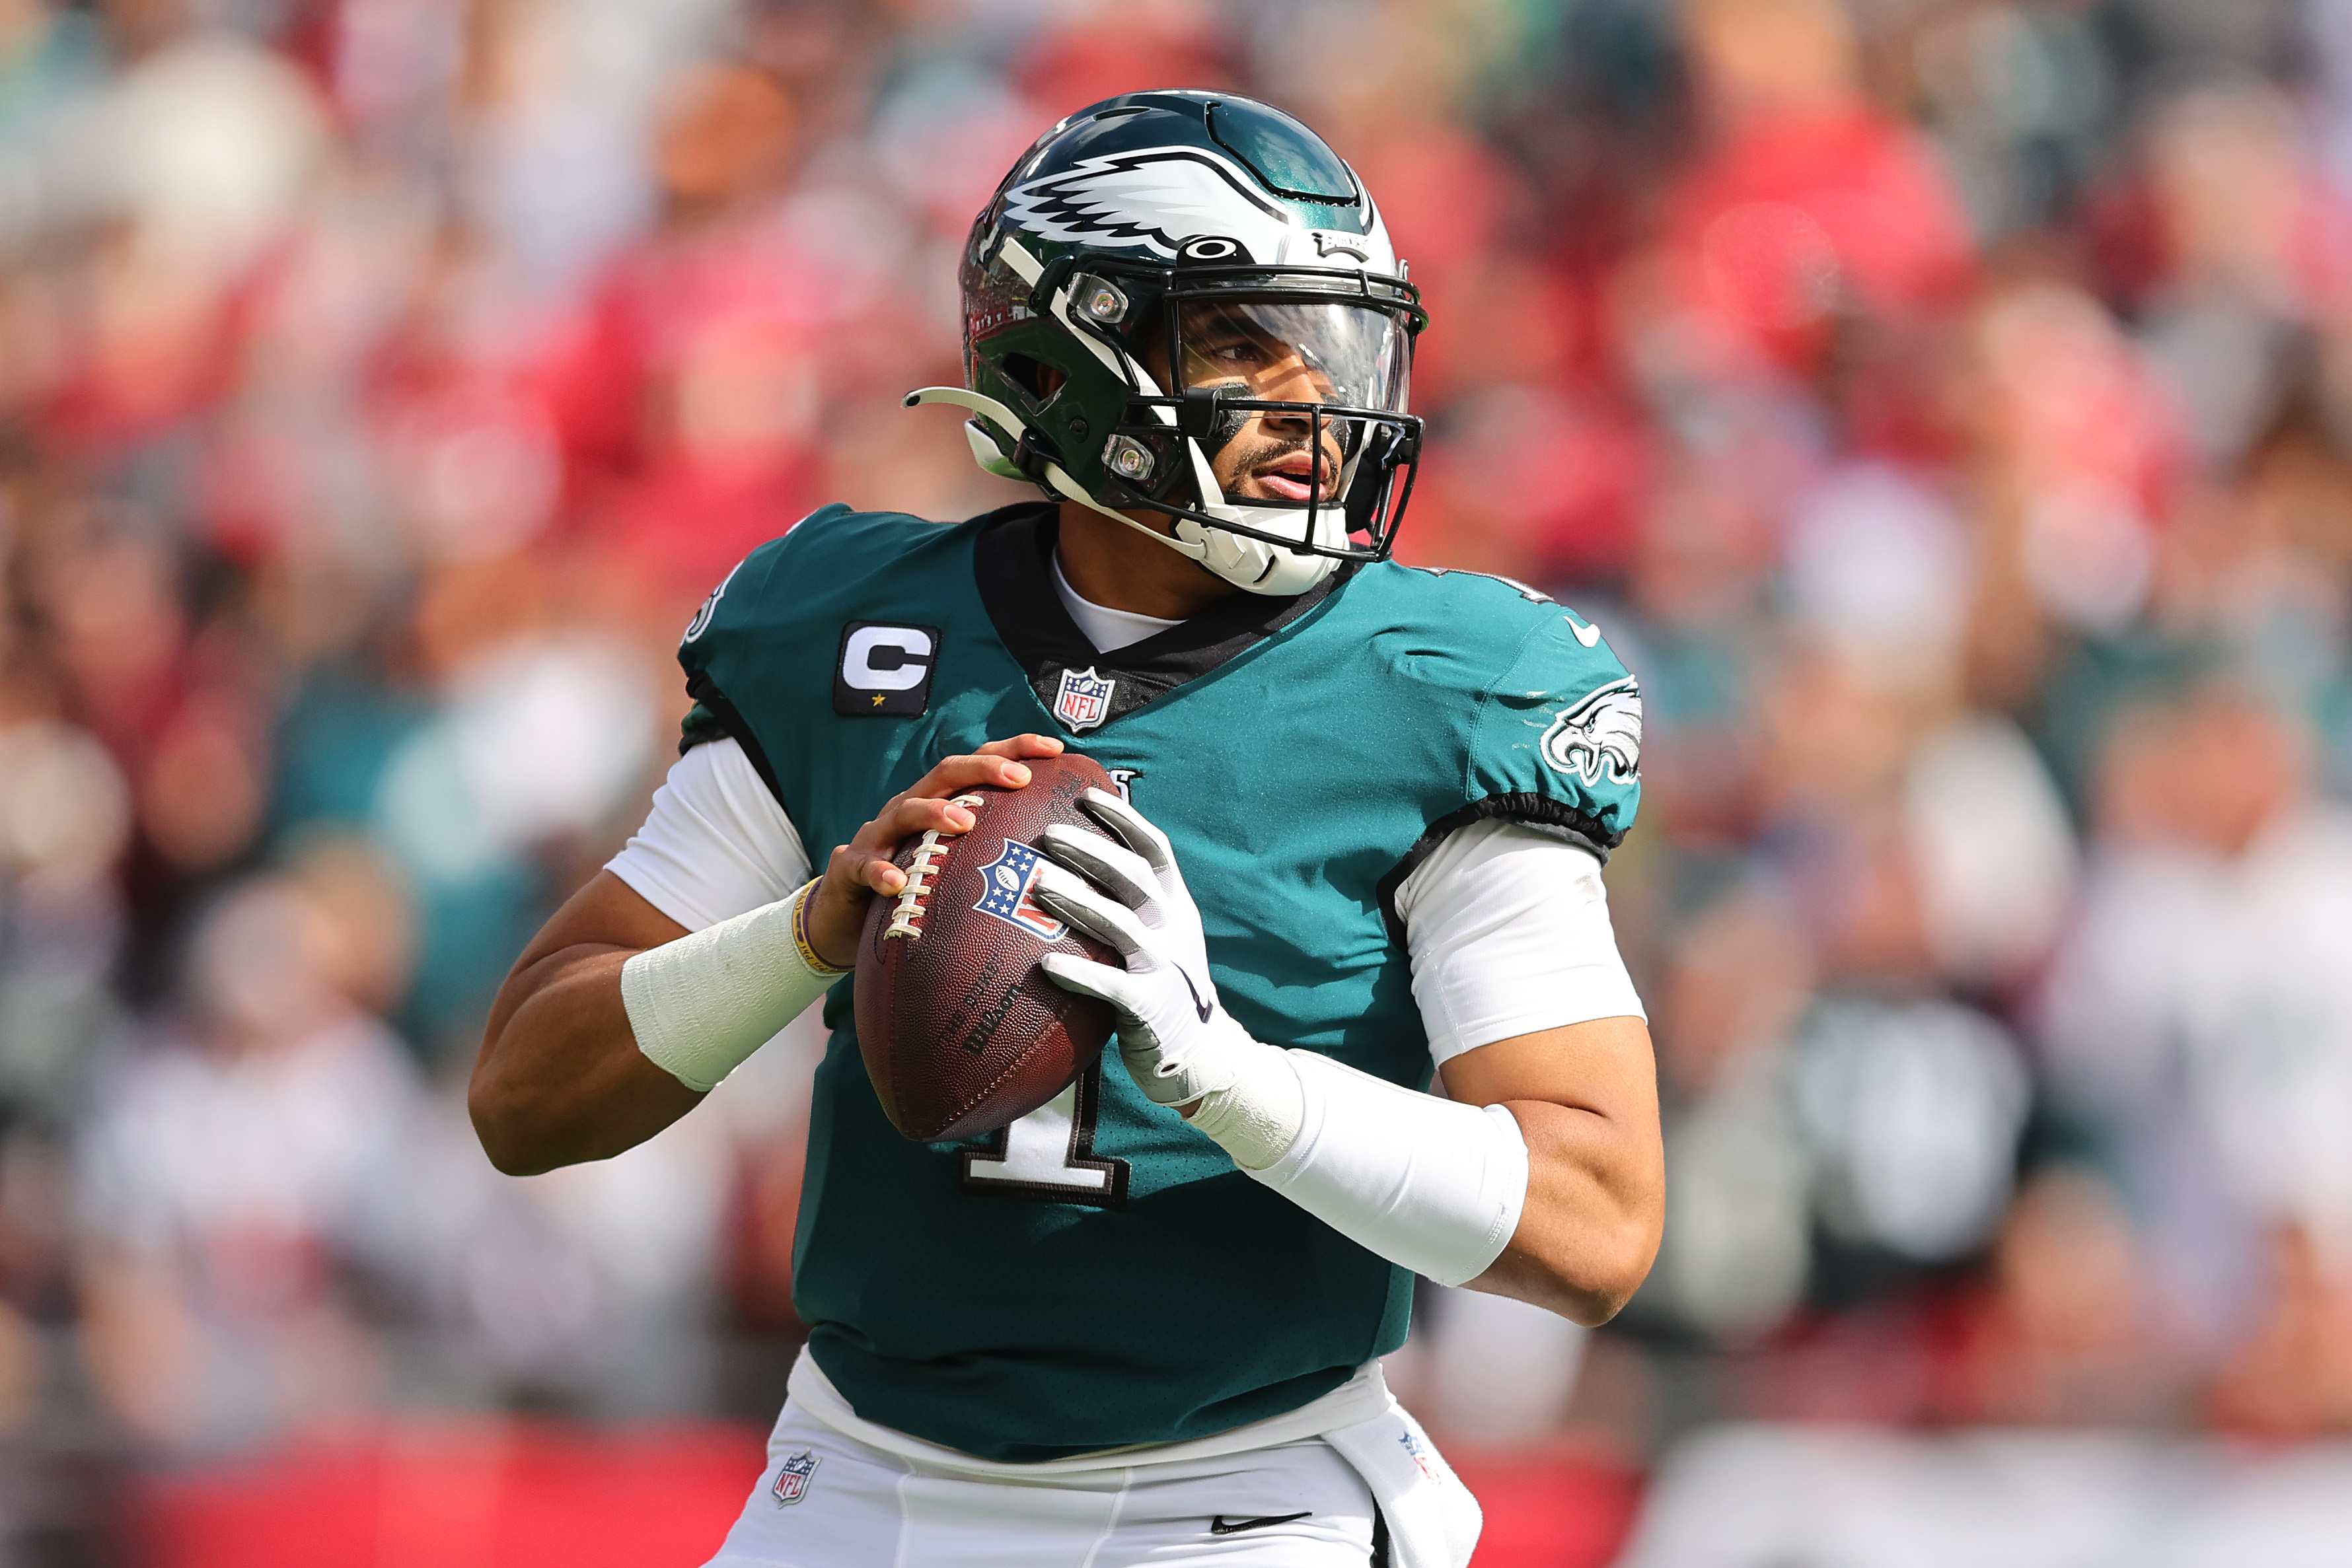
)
(894, 674)
(885, 670)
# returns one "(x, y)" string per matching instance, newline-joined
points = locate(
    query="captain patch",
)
(885, 670)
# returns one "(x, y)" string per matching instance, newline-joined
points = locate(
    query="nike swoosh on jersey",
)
(1587, 633)
(1219, 1525)
(1203, 1009)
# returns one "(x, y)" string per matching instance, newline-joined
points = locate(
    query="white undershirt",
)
(1507, 927)
(1108, 630)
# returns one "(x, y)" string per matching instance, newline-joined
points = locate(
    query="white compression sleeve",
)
(1508, 929)
(716, 842)
(1431, 1185)
(700, 1005)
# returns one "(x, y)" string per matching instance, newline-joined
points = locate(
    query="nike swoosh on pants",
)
(1218, 1526)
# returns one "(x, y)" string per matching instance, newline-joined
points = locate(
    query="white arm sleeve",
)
(716, 844)
(702, 1004)
(1433, 1187)
(1508, 931)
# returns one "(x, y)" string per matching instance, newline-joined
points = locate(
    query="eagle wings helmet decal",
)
(1156, 199)
(1599, 737)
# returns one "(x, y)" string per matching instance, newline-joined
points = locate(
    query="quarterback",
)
(1361, 814)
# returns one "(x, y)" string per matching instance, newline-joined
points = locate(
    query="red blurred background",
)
(1944, 406)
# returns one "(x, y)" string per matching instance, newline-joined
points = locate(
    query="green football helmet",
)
(1170, 282)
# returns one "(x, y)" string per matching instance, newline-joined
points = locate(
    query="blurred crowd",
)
(1944, 407)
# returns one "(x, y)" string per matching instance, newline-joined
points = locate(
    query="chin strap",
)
(986, 453)
(1247, 563)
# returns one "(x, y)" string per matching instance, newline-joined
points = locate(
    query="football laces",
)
(909, 907)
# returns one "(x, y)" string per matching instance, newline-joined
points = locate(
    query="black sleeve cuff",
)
(1546, 813)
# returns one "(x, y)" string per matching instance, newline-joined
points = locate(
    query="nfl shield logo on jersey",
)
(1083, 699)
(1008, 885)
(792, 1477)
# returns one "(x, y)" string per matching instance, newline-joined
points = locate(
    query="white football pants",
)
(1294, 1505)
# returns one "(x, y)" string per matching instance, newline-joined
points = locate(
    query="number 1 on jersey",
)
(1048, 1155)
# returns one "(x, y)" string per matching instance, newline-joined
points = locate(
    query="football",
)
(960, 1030)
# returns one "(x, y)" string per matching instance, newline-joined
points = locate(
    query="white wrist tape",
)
(700, 1005)
(1427, 1184)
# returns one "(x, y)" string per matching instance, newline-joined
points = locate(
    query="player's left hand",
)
(1178, 1040)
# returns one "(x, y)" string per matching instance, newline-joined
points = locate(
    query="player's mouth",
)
(1288, 478)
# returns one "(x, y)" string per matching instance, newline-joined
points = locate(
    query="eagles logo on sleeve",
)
(1599, 737)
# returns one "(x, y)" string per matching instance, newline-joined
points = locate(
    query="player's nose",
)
(1289, 380)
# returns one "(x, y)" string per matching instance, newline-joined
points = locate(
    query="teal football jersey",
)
(1100, 1274)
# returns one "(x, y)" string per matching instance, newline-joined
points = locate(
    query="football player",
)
(1362, 817)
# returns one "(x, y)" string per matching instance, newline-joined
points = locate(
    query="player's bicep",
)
(606, 913)
(1602, 1066)
(1585, 1098)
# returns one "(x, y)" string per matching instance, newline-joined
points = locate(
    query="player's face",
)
(1268, 458)
(1309, 354)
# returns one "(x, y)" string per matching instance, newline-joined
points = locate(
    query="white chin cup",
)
(1254, 564)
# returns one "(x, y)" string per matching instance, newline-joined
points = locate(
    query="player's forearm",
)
(1586, 1101)
(1594, 1211)
(1541, 1179)
(561, 1079)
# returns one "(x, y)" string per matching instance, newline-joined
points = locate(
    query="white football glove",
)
(1179, 1041)
(1423, 1182)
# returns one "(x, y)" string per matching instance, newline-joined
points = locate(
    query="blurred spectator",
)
(2199, 1015)
(690, 408)
(246, 1179)
(2069, 1332)
(2019, 96)
(1738, 1240)
(65, 815)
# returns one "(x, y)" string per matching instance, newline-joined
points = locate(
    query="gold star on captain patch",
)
(877, 699)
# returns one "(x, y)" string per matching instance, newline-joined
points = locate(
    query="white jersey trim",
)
(1360, 1398)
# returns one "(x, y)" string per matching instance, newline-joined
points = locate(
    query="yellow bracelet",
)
(799, 931)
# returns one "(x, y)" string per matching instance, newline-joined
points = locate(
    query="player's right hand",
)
(1179, 1041)
(861, 868)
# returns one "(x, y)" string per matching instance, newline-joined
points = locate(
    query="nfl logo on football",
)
(1083, 699)
(793, 1478)
(1008, 886)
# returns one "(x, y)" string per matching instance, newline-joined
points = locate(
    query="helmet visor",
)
(1348, 355)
